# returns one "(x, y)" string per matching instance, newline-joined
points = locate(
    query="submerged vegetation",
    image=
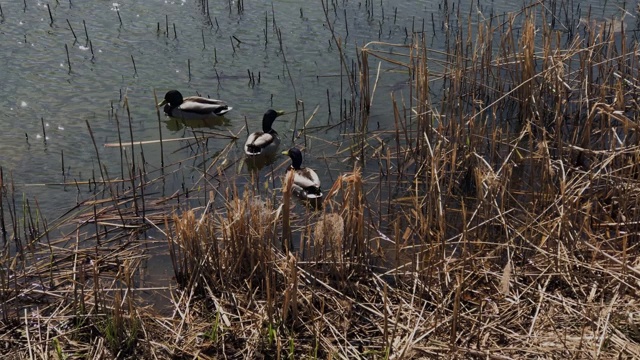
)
(497, 219)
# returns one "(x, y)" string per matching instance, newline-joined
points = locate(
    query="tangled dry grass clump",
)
(497, 221)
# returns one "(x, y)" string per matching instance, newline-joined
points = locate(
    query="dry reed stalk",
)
(287, 189)
(352, 212)
(502, 206)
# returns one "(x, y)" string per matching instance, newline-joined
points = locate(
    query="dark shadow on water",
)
(177, 124)
(256, 163)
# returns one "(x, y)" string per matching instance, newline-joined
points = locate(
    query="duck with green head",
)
(306, 182)
(264, 142)
(192, 107)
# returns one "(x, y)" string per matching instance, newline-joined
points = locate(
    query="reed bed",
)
(497, 219)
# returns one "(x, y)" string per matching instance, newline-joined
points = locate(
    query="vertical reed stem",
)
(66, 48)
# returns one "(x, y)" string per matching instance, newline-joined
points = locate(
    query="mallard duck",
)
(264, 142)
(306, 182)
(192, 107)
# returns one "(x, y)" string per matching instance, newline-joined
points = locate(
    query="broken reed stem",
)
(121, 147)
(95, 147)
(266, 29)
(66, 48)
(135, 70)
(86, 32)
(44, 132)
(142, 187)
(304, 125)
(118, 12)
(132, 172)
(62, 165)
(155, 101)
(232, 45)
(50, 16)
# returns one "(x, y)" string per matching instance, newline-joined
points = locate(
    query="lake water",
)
(196, 47)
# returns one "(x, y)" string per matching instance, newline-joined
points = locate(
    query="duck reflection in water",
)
(176, 124)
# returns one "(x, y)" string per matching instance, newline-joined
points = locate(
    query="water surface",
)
(209, 51)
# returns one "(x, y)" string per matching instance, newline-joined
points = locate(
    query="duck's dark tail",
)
(313, 192)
